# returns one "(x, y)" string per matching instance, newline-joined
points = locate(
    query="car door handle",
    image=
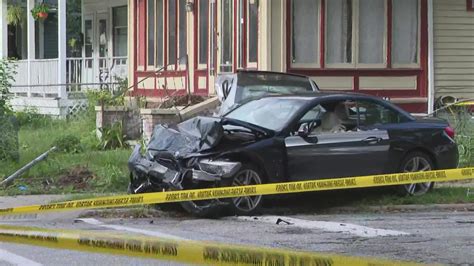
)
(372, 140)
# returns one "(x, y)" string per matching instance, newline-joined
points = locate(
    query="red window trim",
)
(421, 72)
(244, 44)
(197, 36)
(387, 69)
(469, 5)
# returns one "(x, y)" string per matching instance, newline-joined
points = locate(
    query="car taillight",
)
(450, 132)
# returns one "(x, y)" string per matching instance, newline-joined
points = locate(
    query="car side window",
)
(372, 113)
(334, 116)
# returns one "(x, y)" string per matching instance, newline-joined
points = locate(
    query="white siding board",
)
(453, 48)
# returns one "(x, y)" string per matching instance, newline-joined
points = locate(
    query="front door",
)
(336, 146)
(342, 154)
(88, 75)
(102, 51)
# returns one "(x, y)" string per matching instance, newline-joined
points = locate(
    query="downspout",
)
(431, 69)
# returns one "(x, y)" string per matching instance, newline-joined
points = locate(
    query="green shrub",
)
(112, 137)
(29, 117)
(68, 144)
(9, 148)
(7, 72)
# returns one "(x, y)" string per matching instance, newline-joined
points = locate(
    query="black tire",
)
(416, 162)
(217, 208)
(245, 206)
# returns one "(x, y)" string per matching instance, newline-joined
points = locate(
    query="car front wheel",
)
(417, 162)
(247, 176)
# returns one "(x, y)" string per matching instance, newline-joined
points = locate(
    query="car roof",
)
(245, 71)
(320, 94)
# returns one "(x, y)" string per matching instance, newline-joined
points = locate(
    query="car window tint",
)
(371, 113)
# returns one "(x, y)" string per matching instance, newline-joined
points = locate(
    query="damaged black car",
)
(290, 138)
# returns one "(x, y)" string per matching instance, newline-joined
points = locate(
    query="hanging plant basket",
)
(15, 15)
(40, 12)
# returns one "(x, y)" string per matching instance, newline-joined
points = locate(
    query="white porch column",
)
(431, 69)
(3, 29)
(62, 49)
(30, 28)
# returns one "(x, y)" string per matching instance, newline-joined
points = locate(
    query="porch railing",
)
(81, 74)
(43, 72)
(93, 73)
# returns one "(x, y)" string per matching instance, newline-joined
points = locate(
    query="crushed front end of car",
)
(183, 158)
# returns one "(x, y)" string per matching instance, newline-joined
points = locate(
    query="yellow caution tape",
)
(466, 103)
(182, 251)
(266, 189)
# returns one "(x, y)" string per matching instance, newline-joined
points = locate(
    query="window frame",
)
(159, 65)
(223, 66)
(355, 40)
(290, 32)
(165, 44)
(251, 64)
(150, 65)
(114, 27)
(199, 65)
(416, 65)
(323, 65)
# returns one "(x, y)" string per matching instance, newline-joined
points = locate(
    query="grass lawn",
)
(89, 170)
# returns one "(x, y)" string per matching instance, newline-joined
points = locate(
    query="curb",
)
(465, 207)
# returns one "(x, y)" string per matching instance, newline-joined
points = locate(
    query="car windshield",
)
(270, 113)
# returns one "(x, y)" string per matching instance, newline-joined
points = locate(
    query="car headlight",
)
(220, 168)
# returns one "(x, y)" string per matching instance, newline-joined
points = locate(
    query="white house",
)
(52, 66)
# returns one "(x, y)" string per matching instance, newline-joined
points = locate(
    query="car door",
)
(350, 152)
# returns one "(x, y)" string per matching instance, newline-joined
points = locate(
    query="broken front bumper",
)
(147, 172)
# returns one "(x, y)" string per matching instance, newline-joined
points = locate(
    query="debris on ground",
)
(77, 177)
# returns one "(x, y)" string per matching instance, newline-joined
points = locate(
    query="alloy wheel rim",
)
(417, 164)
(247, 178)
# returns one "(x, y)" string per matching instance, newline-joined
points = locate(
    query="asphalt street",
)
(445, 237)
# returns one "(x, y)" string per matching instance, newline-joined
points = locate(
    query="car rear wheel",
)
(417, 162)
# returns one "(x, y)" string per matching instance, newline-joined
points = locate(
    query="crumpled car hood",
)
(193, 136)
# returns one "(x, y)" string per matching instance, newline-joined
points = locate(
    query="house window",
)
(405, 32)
(173, 13)
(182, 48)
(305, 32)
(159, 33)
(354, 33)
(247, 33)
(120, 29)
(203, 31)
(88, 35)
(339, 31)
(252, 33)
(151, 32)
(371, 31)
(172, 28)
(177, 41)
(226, 35)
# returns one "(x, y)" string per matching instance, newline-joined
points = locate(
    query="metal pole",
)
(27, 167)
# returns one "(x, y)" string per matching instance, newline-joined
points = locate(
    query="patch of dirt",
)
(77, 177)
